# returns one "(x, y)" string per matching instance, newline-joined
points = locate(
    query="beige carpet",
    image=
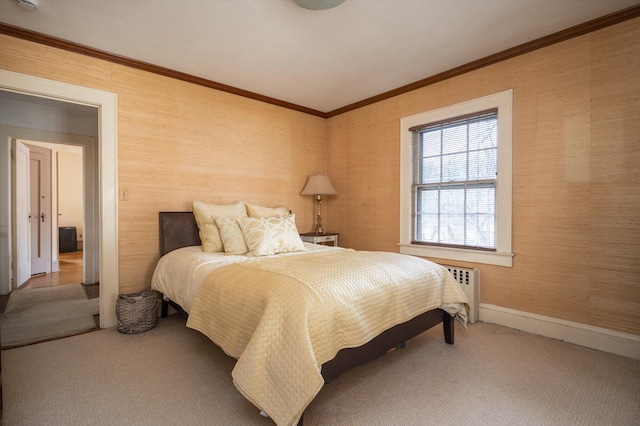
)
(172, 375)
(34, 315)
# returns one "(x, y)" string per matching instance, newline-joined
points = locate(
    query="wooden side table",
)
(327, 239)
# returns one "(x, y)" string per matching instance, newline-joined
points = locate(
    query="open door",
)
(22, 212)
(40, 205)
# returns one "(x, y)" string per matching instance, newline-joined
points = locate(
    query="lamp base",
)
(319, 229)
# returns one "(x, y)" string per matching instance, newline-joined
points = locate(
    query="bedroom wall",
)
(576, 179)
(179, 142)
(576, 194)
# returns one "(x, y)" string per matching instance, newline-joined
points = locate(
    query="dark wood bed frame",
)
(179, 229)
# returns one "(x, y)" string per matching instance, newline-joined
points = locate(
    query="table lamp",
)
(318, 185)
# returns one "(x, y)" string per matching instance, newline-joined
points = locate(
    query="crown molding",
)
(560, 36)
(58, 43)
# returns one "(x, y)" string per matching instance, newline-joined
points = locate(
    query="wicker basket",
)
(137, 312)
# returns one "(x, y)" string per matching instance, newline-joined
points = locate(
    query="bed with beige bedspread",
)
(284, 316)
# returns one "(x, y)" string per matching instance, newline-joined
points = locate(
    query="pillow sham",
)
(270, 235)
(231, 236)
(206, 215)
(260, 211)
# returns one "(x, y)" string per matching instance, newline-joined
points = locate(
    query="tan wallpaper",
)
(178, 142)
(576, 176)
(576, 180)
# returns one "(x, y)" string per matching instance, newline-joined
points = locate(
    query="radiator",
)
(469, 280)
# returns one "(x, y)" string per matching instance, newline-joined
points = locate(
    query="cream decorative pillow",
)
(271, 235)
(206, 215)
(259, 211)
(231, 236)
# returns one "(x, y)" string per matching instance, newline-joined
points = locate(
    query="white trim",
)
(106, 102)
(504, 102)
(450, 253)
(602, 339)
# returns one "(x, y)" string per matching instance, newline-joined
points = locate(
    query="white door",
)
(40, 202)
(23, 214)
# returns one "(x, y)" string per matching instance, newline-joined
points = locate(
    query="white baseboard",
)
(602, 339)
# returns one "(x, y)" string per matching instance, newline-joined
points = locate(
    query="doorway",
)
(54, 300)
(56, 214)
(105, 236)
(37, 148)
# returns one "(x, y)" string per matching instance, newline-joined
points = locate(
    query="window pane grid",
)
(453, 190)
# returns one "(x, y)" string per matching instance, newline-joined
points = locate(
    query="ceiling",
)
(320, 60)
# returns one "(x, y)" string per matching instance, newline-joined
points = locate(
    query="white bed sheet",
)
(179, 273)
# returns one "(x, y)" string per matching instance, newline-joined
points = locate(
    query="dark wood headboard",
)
(177, 230)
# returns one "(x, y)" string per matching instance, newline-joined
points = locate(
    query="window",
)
(456, 182)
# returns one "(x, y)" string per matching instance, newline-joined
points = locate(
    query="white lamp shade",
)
(318, 185)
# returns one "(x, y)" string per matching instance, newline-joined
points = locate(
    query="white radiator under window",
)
(469, 280)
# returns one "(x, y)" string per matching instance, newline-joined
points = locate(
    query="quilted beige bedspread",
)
(282, 318)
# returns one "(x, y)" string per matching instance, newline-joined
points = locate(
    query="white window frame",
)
(503, 256)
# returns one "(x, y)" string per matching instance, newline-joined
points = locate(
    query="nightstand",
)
(326, 239)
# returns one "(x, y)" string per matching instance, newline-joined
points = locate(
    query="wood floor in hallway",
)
(70, 272)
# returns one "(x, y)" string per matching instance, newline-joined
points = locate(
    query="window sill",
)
(463, 255)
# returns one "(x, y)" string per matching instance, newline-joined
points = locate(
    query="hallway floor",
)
(70, 273)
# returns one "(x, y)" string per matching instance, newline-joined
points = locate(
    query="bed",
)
(282, 395)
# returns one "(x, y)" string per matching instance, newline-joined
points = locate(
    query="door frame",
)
(88, 145)
(106, 102)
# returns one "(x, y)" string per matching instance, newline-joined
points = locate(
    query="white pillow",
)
(259, 211)
(231, 236)
(270, 235)
(206, 215)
